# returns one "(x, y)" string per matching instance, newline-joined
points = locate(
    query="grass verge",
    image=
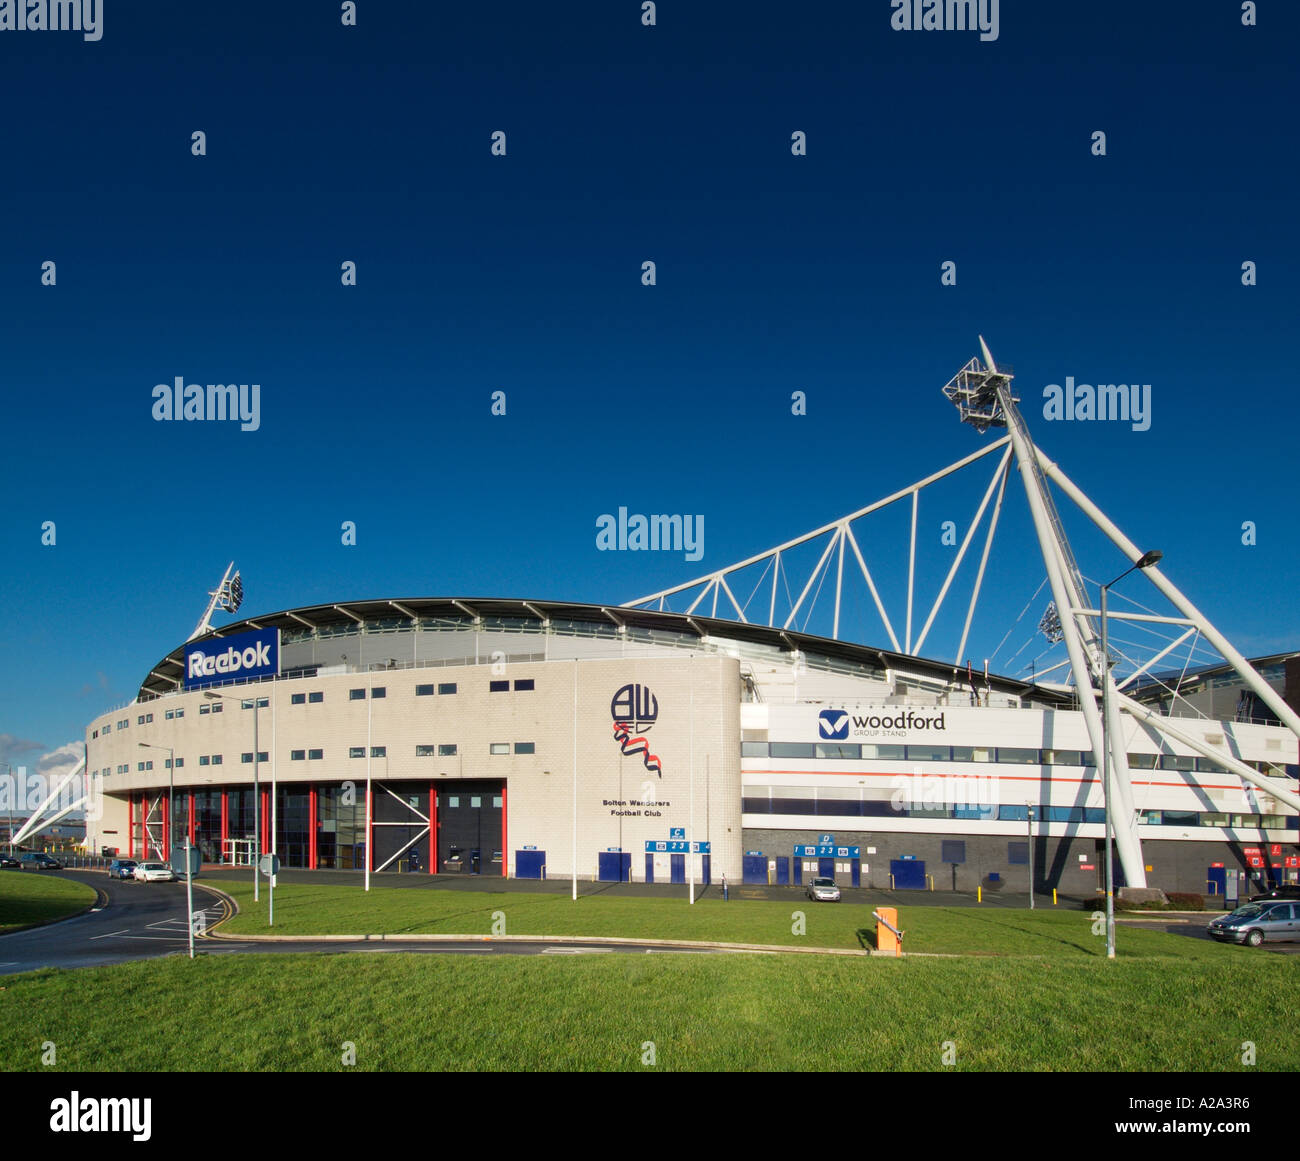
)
(602, 1012)
(31, 897)
(311, 909)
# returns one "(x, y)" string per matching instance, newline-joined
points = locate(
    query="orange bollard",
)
(886, 940)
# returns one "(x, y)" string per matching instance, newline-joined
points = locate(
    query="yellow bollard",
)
(1053, 896)
(979, 894)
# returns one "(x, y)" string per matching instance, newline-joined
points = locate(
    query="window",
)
(95, 733)
(1062, 758)
(425, 751)
(205, 707)
(824, 749)
(316, 698)
(890, 753)
(169, 715)
(753, 749)
(298, 699)
(496, 801)
(247, 759)
(498, 687)
(203, 759)
(1142, 761)
(216, 759)
(447, 750)
(928, 753)
(795, 750)
(139, 766)
(476, 802)
(356, 695)
(140, 720)
(108, 727)
(179, 761)
(500, 748)
(1175, 762)
(297, 755)
(180, 713)
(148, 717)
(356, 751)
(446, 687)
(525, 747)
(375, 752)
(218, 707)
(315, 755)
(379, 691)
(424, 690)
(453, 801)
(1018, 754)
(124, 724)
(262, 703)
(525, 683)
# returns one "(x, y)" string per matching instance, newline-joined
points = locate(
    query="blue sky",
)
(522, 274)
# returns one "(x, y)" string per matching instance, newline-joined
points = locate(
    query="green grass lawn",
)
(28, 897)
(596, 1012)
(315, 910)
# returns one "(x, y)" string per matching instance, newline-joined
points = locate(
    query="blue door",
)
(855, 868)
(796, 864)
(614, 866)
(754, 869)
(649, 867)
(529, 864)
(1217, 879)
(678, 864)
(826, 868)
(909, 874)
(782, 870)
(706, 869)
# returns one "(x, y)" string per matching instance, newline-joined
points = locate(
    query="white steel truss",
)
(982, 393)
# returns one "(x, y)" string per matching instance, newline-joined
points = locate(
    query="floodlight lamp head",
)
(1150, 558)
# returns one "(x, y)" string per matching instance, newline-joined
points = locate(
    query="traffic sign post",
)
(185, 860)
(270, 867)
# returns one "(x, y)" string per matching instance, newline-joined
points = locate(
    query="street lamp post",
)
(257, 793)
(1145, 561)
(1030, 815)
(171, 793)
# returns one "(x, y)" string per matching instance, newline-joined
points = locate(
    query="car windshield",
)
(823, 882)
(1249, 911)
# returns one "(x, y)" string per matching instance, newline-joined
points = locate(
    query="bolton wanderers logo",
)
(634, 710)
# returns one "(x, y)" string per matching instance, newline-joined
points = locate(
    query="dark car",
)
(1281, 891)
(40, 862)
(1255, 923)
(9, 863)
(122, 868)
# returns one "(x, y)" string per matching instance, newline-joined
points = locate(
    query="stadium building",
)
(534, 738)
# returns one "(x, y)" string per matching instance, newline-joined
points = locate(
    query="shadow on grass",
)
(989, 918)
(867, 938)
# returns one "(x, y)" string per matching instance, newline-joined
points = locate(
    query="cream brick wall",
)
(539, 787)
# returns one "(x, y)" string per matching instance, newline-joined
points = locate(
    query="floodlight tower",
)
(982, 395)
(228, 595)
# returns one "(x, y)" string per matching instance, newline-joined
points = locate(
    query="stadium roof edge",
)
(356, 613)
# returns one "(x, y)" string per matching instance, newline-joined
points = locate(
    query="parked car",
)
(1281, 891)
(38, 860)
(122, 868)
(154, 873)
(823, 891)
(1256, 923)
(9, 863)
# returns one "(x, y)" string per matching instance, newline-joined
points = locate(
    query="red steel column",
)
(167, 830)
(192, 836)
(266, 821)
(505, 849)
(225, 822)
(311, 827)
(130, 826)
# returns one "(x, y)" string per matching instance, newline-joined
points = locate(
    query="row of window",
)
(442, 750)
(840, 807)
(1015, 755)
(443, 688)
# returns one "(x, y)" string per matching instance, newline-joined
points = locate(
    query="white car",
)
(154, 873)
(823, 891)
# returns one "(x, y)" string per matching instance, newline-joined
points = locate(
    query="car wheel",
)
(1254, 937)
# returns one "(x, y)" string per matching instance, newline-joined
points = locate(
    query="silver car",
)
(823, 891)
(154, 873)
(1256, 923)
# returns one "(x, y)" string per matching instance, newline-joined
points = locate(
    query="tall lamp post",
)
(1145, 561)
(171, 791)
(257, 792)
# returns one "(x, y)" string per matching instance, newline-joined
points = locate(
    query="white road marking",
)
(575, 951)
(111, 934)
